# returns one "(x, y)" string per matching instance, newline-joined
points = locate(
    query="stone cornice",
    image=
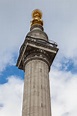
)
(34, 46)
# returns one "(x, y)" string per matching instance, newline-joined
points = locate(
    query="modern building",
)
(35, 58)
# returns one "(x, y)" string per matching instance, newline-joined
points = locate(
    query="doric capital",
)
(36, 54)
(35, 49)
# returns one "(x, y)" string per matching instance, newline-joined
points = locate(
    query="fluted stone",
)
(36, 100)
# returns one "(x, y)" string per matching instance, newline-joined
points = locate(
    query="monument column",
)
(35, 58)
(36, 100)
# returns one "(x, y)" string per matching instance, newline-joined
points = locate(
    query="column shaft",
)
(36, 98)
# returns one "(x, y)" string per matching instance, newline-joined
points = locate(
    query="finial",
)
(37, 15)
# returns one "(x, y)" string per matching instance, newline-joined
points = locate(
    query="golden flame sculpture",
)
(37, 15)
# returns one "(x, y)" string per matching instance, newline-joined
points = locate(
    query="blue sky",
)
(60, 23)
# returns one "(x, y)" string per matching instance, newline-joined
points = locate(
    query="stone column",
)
(36, 99)
(35, 58)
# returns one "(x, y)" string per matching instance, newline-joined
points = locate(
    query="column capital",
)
(36, 49)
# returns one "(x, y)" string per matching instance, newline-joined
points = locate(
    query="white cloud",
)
(60, 23)
(63, 86)
(6, 59)
(64, 93)
(11, 97)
